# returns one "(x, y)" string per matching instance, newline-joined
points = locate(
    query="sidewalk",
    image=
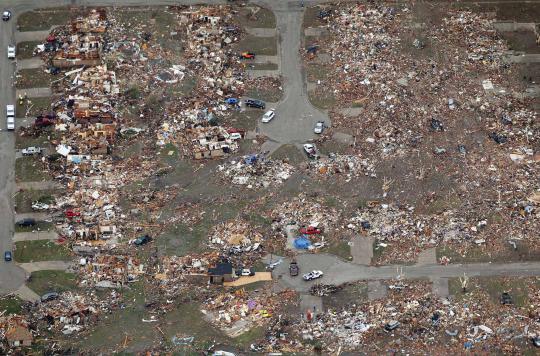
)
(45, 266)
(33, 236)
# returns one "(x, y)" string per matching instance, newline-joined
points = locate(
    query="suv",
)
(10, 113)
(11, 52)
(7, 256)
(6, 15)
(254, 103)
(143, 240)
(293, 269)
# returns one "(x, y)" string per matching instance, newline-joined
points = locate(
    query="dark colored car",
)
(506, 298)
(253, 103)
(294, 269)
(142, 240)
(26, 222)
(49, 296)
(310, 230)
(536, 341)
(43, 121)
(7, 256)
(391, 325)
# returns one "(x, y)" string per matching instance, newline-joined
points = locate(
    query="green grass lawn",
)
(24, 199)
(34, 107)
(40, 250)
(47, 281)
(264, 46)
(321, 99)
(33, 78)
(340, 249)
(10, 305)
(262, 66)
(43, 19)
(270, 94)
(29, 169)
(25, 49)
(264, 18)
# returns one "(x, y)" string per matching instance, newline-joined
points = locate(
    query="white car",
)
(6, 15)
(268, 116)
(30, 151)
(311, 150)
(10, 113)
(319, 127)
(312, 275)
(11, 52)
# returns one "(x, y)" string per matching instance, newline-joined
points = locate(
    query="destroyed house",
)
(223, 272)
(18, 334)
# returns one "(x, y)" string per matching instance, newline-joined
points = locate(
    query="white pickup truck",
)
(30, 151)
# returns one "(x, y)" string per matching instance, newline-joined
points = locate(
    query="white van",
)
(10, 113)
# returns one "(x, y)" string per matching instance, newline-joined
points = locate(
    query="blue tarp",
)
(302, 243)
(231, 101)
(250, 159)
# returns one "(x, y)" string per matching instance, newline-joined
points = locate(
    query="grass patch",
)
(311, 18)
(42, 140)
(246, 120)
(10, 305)
(33, 78)
(24, 199)
(169, 153)
(494, 287)
(340, 249)
(250, 336)
(182, 239)
(29, 169)
(40, 250)
(43, 19)
(40, 226)
(25, 49)
(290, 153)
(33, 107)
(524, 252)
(264, 18)
(264, 46)
(270, 94)
(322, 100)
(262, 66)
(354, 293)
(47, 281)
(316, 72)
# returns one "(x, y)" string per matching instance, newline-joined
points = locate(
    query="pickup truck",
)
(30, 151)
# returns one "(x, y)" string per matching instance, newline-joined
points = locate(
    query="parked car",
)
(293, 269)
(7, 256)
(273, 265)
(53, 70)
(26, 222)
(254, 103)
(231, 101)
(312, 275)
(536, 341)
(10, 113)
(30, 151)
(11, 52)
(268, 116)
(49, 296)
(310, 230)
(311, 150)
(392, 325)
(506, 298)
(248, 272)
(142, 240)
(235, 136)
(319, 127)
(247, 55)
(6, 15)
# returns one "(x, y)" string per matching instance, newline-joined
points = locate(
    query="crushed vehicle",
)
(310, 150)
(310, 230)
(142, 240)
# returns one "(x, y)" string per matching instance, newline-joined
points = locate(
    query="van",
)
(10, 113)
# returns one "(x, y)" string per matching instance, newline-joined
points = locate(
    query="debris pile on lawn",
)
(346, 165)
(322, 290)
(109, 271)
(71, 312)
(403, 233)
(236, 237)
(419, 321)
(256, 171)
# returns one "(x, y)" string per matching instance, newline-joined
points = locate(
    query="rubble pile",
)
(322, 290)
(256, 171)
(109, 271)
(346, 165)
(73, 312)
(403, 233)
(304, 211)
(236, 237)
(418, 320)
